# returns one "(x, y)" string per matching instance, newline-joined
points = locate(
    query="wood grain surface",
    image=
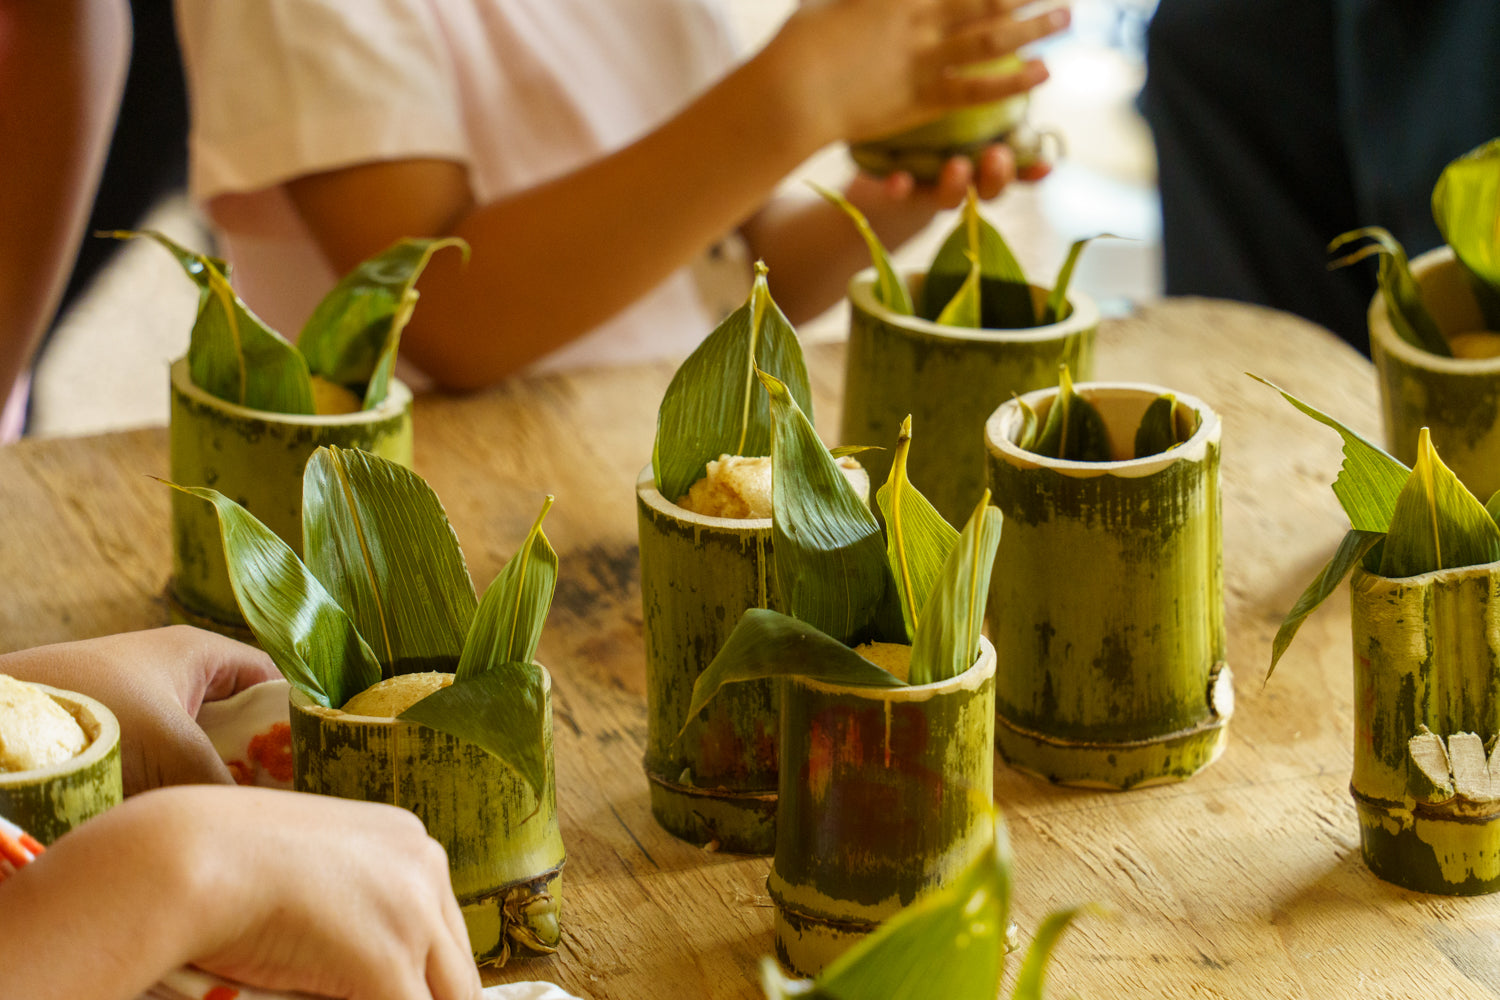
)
(1245, 882)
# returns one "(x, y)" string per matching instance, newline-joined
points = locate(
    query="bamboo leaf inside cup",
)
(1438, 523)
(1004, 290)
(917, 539)
(1056, 310)
(1369, 481)
(361, 318)
(714, 405)
(308, 636)
(964, 308)
(890, 290)
(947, 638)
(830, 560)
(1466, 208)
(1161, 427)
(767, 644)
(1403, 296)
(1350, 551)
(501, 711)
(509, 622)
(1074, 431)
(377, 537)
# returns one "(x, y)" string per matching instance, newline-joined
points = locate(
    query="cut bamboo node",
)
(1107, 601)
(47, 802)
(949, 379)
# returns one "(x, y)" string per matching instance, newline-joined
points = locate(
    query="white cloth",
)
(519, 91)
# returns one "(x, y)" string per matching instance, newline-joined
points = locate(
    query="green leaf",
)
(502, 711)
(307, 635)
(1369, 480)
(1004, 292)
(1492, 506)
(1350, 551)
(194, 264)
(1074, 431)
(947, 641)
(361, 319)
(713, 406)
(917, 539)
(950, 943)
(890, 290)
(1161, 427)
(1438, 523)
(1403, 296)
(1057, 309)
(379, 386)
(964, 308)
(830, 558)
(767, 644)
(1466, 208)
(377, 538)
(1031, 427)
(231, 353)
(1032, 977)
(510, 619)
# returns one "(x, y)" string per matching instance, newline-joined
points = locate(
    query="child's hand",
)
(869, 68)
(154, 682)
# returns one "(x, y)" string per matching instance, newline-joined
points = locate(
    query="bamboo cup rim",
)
(302, 703)
(645, 488)
(99, 725)
(1121, 404)
(397, 399)
(1085, 314)
(972, 679)
(1362, 577)
(1437, 266)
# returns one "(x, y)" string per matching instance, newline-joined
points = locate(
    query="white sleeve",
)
(283, 88)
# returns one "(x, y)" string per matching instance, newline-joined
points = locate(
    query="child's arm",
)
(554, 261)
(154, 682)
(273, 889)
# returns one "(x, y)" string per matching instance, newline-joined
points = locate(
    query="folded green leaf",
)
(361, 319)
(890, 290)
(502, 711)
(1403, 296)
(1350, 551)
(964, 308)
(830, 560)
(1369, 481)
(509, 622)
(1032, 977)
(1073, 431)
(377, 538)
(713, 405)
(1005, 293)
(1031, 426)
(767, 644)
(194, 265)
(917, 539)
(1161, 427)
(1438, 523)
(379, 386)
(1466, 207)
(947, 638)
(1056, 310)
(307, 635)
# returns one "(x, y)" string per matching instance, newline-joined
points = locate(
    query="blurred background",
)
(105, 368)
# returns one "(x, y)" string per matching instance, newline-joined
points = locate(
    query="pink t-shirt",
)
(519, 91)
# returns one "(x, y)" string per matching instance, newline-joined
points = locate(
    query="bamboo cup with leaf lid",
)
(886, 775)
(949, 346)
(1424, 554)
(406, 688)
(248, 407)
(1107, 606)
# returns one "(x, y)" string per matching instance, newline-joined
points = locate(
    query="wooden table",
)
(1245, 882)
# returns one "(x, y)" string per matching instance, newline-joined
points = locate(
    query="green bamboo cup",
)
(49, 801)
(950, 379)
(255, 457)
(886, 794)
(1107, 601)
(1457, 399)
(717, 782)
(1426, 650)
(505, 851)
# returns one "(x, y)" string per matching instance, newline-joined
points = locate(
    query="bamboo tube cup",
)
(505, 851)
(886, 794)
(949, 379)
(1425, 654)
(255, 457)
(1457, 399)
(1107, 601)
(698, 576)
(49, 801)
